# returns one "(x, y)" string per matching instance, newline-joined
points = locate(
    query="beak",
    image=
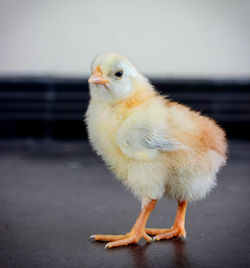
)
(97, 77)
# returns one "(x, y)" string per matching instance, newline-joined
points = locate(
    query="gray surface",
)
(54, 195)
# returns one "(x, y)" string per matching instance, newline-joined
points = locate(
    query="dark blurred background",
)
(54, 191)
(53, 108)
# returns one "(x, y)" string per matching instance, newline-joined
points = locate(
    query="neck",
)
(140, 96)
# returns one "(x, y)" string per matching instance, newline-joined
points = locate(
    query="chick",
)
(156, 147)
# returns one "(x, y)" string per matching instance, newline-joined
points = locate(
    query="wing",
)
(143, 140)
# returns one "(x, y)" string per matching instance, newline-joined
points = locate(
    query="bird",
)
(156, 147)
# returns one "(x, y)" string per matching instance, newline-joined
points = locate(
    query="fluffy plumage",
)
(155, 146)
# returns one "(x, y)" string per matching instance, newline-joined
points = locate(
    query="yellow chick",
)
(156, 147)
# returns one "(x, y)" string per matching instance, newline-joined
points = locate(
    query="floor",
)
(54, 195)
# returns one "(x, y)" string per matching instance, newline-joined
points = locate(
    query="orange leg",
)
(136, 233)
(177, 230)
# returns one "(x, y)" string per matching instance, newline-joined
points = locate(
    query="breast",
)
(102, 124)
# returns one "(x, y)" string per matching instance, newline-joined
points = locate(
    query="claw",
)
(147, 238)
(92, 237)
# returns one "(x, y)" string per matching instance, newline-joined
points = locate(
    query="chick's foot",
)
(131, 238)
(137, 232)
(174, 231)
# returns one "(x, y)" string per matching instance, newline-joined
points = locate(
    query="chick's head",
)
(113, 77)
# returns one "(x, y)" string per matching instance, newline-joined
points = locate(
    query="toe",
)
(101, 237)
(156, 231)
(175, 232)
(167, 235)
(122, 242)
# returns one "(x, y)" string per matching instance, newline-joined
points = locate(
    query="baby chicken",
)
(156, 147)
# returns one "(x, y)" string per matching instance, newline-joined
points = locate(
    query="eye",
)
(119, 74)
